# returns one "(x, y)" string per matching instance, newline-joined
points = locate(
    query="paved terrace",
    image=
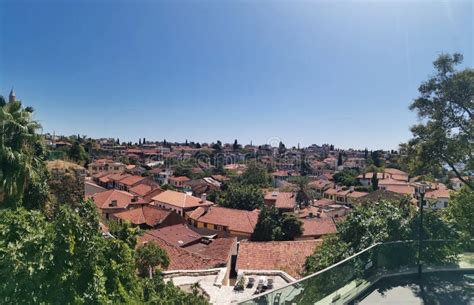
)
(211, 283)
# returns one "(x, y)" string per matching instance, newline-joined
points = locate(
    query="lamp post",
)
(420, 190)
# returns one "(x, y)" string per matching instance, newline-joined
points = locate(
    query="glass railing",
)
(344, 281)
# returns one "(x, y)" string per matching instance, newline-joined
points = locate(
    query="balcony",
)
(387, 273)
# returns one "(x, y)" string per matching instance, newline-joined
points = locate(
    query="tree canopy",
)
(255, 174)
(379, 222)
(272, 225)
(444, 136)
(240, 196)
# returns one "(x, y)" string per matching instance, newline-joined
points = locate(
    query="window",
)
(205, 225)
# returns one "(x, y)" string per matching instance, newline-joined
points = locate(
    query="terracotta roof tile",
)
(177, 235)
(180, 200)
(103, 200)
(182, 259)
(281, 200)
(236, 220)
(142, 189)
(288, 256)
(132, 180)
(220, 248)
(318, 226)
(180, 178)
(149, 215)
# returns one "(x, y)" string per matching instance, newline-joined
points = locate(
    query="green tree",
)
(374, 181)
(382, 222)
(446, 107)
(125, 231)
(23, 174)
(272, 225)
(157, 292)
(256, 174)
(346, 177)
(291, 226)
(304, 194)
(77, 153)
(339, 159)
(63, 261)
(241, 196)
(150, 256)
(267, 227)
(461, 212)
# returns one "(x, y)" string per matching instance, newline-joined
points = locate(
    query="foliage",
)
(461, 212)
(374, 181)
(77, 153)
(150, 256)
(240, 196)
(272, 225)
(304, 194)
(446, 107)
(156, 292)
(63, 261)
(23, 174)
(346, 178)
(321, 259)
(381, 222)
(375, 158)
(125, 231)
(256, 175)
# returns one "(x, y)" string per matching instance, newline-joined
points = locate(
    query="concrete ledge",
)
(288, 278)
(219, 272)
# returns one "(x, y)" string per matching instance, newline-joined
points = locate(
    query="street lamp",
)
(420, 189)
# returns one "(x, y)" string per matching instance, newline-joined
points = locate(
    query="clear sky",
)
(303, 72)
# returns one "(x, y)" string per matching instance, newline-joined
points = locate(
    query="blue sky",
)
(303, 72)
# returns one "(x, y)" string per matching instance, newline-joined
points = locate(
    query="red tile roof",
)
(149, 215)
(180, 200)
(288, 256)
(281, 200)
(176, 235)
(438, 193)
(118, 177)
(182, 259)
(103, 200)
(236, 220)
(390, 181)
(220, 248)
(142, 189)
(132, 180)
(180, 178)
(400, 189)
(324, 202)
(394, 171)
(313, 227)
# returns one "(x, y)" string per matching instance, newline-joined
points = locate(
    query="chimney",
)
(113, 203)
(351, 188)
(135, 198)
(363, 176)
(203, 198)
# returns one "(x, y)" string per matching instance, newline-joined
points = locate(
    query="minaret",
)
(12, 96)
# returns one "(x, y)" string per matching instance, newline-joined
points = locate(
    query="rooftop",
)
(275, 255)
(180, 200)
(236, 220)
